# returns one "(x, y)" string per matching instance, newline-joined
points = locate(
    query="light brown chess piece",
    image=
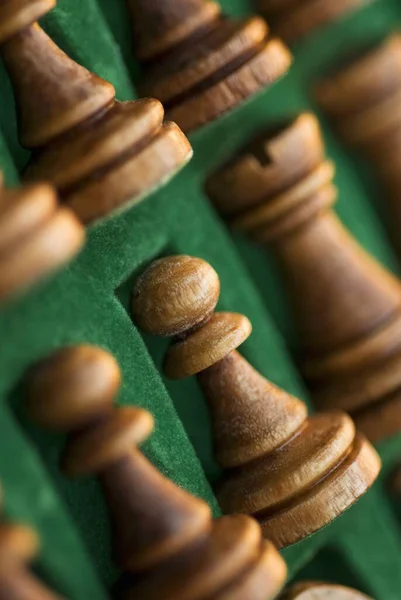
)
(293, 473)
(363, 99)
(164, 537)
(18, 547)
(295, 19)
(199, 63)
(102, 155)
(347, 307)
(37, 236)
(321, 591)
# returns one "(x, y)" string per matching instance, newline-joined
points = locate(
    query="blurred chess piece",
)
(37, 236)
(295, 19)
(362, 97)
(321, 591)
(165, 539)
(18, 547)
(293, 473)
(279, 190)
(199, 63)
(102, 155)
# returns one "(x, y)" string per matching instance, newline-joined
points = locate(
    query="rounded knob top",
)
(322, 591)
(175, 294)
(73, 386)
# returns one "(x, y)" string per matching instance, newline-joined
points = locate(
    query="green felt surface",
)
(89, 302)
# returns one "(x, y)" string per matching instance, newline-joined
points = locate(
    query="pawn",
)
(293, 473)
(363, 99)
(37, 236)
(321, 591)
(347, 307)
(201, 64)
(102, 155)
(295, 19)
(165, 539)
(18, 547)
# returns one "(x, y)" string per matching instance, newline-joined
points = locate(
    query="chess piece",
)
(295, 19)
(293, 473)
(199, 63)
(363, 99)
(102, 155)
(347, 307)
(19, 546)
(37, 236)
(164, 537)
(321, 591)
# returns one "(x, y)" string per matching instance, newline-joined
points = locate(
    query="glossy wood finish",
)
(101, 155)
(321, 591)
(165, 539)
(293, 473)
(363, 99)
(18, 547)
(37, 236)
(200, 64)
(295, 19)
(347, 306)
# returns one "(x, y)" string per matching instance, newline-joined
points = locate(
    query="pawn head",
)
(175, 294)
(71, 387)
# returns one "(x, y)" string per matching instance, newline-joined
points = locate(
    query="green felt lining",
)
(89, 302)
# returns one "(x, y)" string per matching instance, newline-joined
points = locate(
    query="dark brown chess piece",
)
(18, 547)
(321, 591)
(294, 19)
(199, 63)
(102, 155)
(363, 99)
(37, 236)
(164, 537)
(293, 473)
(347, 307)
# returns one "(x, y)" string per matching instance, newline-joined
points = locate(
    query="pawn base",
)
(326, 501)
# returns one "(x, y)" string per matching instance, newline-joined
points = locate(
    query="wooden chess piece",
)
(102, 155)
(363, 99)
(199, 63)
(293, 473)
(37, 236)
(347, 307)
(18, 547)
(309, 590)
(164, 537)
(295, 19)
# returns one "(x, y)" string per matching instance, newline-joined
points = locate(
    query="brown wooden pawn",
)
(295, 19)
(201, 64)
(37, 236)
(102, 155)
(293, 473)
(363, 99)
(279, 190)
(309, 590)
(18, 547)
(164, 537)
